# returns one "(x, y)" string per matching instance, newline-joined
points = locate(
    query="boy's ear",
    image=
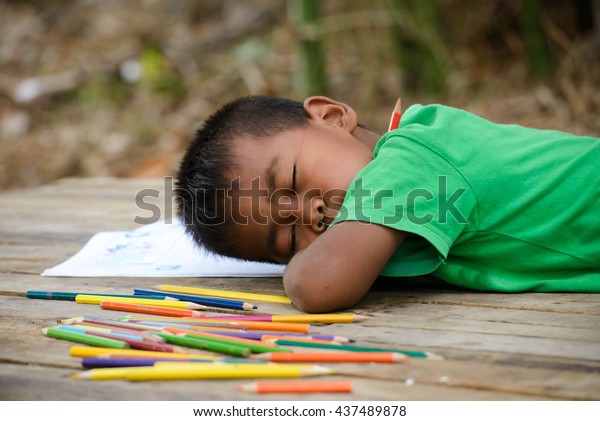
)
(331, 111)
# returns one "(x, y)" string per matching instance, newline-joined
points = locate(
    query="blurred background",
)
(117, 87)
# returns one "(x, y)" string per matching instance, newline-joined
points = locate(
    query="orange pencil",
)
(148, 309)
(396, 114)
(275, 326)
(331, 357)
(250, 325)
(298, 387)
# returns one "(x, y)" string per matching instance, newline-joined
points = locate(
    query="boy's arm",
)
(340, 266)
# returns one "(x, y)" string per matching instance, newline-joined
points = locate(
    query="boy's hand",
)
(340, 266)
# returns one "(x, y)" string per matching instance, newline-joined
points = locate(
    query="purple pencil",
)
(93, 362)
(257, 336)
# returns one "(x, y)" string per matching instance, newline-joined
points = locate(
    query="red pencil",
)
(396, 114)
(136, 344)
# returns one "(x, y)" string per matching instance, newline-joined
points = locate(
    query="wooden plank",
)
(497, 346)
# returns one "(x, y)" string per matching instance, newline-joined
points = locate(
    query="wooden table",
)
(496, 346)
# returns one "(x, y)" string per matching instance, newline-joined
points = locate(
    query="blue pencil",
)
(207, 301)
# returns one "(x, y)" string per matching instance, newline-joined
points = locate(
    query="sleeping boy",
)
(480, 205)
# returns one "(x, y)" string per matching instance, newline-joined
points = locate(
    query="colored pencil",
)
(261, 336)
(254, 346)
(411, 354)
(102, 362)
(396, 114)
(298, 387)
(83, 338)
(273, 338)
(332, 357)
(267, 326)
(132, 333)
(201, 371)
(207, 301)
(110, 323)
(89, 351)
(198, 343)
(132, 328)
(85, 329)
(97, 299)
(143, 345)
(223, 294)
(201, 327)
(70, 296)
(147, 309)
(295, 318)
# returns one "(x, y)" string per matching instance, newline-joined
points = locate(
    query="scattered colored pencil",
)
(267, 326)
(253, 345)
(261, 336)
(201, 371)
(200, 343)
(411, 354)
(96, 362)
(332, 357)
(70, 296)
(86, 329)
(149, 309)
(223, 294)
(83, 338)
(207, 301)
(295, 318)
(298, 387)
(97, 299)
(90, 351)
(396, 114)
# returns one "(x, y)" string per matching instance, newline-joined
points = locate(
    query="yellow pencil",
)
(97, 299)
(203, 371)
(90, 351)
(221, 371)
(109, 373)
(223, 294)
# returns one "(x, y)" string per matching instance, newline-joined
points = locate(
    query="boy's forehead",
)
(260, 157)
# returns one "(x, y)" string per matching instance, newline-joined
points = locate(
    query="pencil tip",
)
(432, 356)
(358, 317)
(250, 387)
(399, 357)
(263, 356)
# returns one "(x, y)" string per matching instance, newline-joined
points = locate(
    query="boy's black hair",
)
(202, 182)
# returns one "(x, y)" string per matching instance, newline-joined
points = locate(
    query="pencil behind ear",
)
(331, 111)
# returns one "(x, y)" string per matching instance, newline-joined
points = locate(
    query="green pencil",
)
(257, 347)
(84, 338)
(70, 296)
(411, 354)
(237, 350)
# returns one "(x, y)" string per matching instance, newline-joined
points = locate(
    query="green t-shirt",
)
(487, 206)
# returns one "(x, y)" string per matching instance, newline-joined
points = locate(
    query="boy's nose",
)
(318, 218)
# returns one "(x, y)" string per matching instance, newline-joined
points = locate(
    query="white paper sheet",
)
(155, 250)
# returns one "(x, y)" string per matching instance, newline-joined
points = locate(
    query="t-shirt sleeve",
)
(410, 187)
